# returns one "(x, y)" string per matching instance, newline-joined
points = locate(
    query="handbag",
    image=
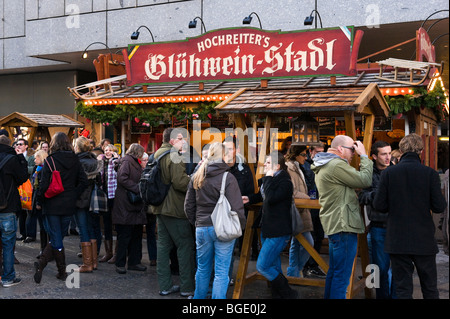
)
(225, 221)
(297, 222)
(26, 192)
(99, 201)
(133, 198)
(56, 187)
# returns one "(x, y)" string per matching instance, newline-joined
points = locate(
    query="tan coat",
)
(300, 191)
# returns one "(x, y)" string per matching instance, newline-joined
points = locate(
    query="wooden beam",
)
(350, 128)
(265, 147)
(368, 132)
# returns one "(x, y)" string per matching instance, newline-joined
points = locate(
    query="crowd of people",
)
(397, 196)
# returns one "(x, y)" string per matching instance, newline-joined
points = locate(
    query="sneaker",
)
(186, 294)
(29, 240)
(171, 290)
(11, 283)
(315, 273)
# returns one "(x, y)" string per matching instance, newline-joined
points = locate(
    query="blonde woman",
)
(36, 210)
(201, 198)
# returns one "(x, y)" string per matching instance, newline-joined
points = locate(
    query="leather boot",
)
(94, 254)
(60, 259)
(44, 258)
(86, 248)
(113, 259)
(108, 252)
(280, 286)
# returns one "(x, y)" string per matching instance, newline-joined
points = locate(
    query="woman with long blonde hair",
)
(201, 198)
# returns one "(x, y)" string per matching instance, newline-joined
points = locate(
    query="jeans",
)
(298, 255)
(31, 224)
(342, 251)
(382, 260)
(269, 262)
(57, 227)
(8, 229)
(89, 226)
(211, 251)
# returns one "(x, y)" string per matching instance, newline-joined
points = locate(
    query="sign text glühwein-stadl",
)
(244, 53)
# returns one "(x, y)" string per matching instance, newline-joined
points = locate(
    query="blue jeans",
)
(342, 251)
(89, 226)
(269, 262)
(211, 251)
(298, 255)
(382, 260)
(8, 229)
(57, 227)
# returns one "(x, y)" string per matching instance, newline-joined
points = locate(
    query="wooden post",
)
(264, 149)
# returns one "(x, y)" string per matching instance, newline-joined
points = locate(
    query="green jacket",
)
(173, 171)
(336, 182)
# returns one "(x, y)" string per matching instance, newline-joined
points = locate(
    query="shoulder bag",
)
(297, 222)
(225, 221)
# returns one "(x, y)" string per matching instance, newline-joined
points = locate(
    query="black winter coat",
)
(73, 179)
(366, 197)
(409, 192)
(128, 176)
(276, 212)
(12, 175)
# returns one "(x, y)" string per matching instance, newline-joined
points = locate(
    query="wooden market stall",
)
(41, 125)
(345, 101)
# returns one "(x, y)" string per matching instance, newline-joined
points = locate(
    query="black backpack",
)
(3, 195)
(152, 189)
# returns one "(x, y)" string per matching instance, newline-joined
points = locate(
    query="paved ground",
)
(105, 283)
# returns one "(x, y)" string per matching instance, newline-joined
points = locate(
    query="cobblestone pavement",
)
(105, 283)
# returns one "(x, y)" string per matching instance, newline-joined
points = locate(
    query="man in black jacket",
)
(13, 173)
(244, 177)
(381, 157)
(408, 192)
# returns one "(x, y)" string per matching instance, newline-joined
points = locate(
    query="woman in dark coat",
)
(128, 217)
(58, 210)
(276, 225)
(88, 222)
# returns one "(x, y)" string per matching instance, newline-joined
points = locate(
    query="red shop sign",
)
(243, 53)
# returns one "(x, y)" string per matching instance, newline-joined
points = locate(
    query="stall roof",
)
(35, 120)
(215, 90)
(327, 101)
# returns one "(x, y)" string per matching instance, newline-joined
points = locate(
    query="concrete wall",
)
(44, 93)
(36, 27)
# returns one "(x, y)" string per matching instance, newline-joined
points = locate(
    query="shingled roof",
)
(34, 120)
(327, 101)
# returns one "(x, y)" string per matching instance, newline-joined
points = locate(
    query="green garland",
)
(161, 113)
(434, 100)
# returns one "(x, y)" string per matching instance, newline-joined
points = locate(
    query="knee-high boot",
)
(281, 288)
(86, 249)
(44, 258)
(60, 259)
(108, 252)
(94, 253)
